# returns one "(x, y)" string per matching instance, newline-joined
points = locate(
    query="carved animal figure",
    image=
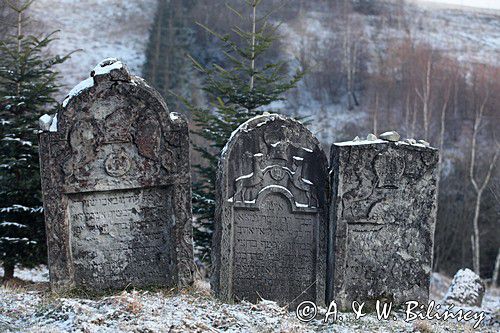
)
(250, 180)
(299, 182)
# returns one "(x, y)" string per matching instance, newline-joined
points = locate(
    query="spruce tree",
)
(27, 85)
(166, 66)
(237, 89)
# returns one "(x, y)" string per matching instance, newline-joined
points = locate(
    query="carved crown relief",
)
(109, 143)
(375, 188)
(117, 126)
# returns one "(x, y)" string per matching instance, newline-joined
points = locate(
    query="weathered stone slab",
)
(383, 211)
(270, 227)
(116, 186)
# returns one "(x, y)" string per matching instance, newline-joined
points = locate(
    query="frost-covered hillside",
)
(467, 33)
(100, 28)
(319, 34)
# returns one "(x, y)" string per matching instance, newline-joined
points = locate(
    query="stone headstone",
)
(467, 289)
(116, 186)
(383, 212)
(271, 223)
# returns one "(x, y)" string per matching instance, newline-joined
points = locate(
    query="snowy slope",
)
(468, 35)
(101, 28)
(475, 4)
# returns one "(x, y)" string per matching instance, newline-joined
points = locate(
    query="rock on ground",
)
(467, 288)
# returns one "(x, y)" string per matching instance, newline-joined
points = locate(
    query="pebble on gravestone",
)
(44, 122)
(383, 213)
(371, 137)
(390, 136)
(270, 225)
(467, 288)
(116, 186)
(425, 143)
(410, 141)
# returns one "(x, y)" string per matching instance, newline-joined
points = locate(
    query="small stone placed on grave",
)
(425, 143)
(410, 141)
(391, 136)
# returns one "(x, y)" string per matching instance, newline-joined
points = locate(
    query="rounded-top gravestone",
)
(270, 226)
(116, 186)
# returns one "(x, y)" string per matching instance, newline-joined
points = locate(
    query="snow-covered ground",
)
(37, 274)
(100, 28)
(194, 310)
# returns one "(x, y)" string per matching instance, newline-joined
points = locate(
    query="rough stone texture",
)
(271, 221)
(383, 212)
(116, 187)
(467, 288)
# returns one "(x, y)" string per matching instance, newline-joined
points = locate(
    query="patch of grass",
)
(423, 327)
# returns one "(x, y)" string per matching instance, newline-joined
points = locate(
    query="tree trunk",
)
(475, 223)
(8, 271)
(495, 270)
(375, 115)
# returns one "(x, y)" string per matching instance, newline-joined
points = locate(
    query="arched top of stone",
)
(260, 120)
(115, 131)
(269, 149)
(111, 78)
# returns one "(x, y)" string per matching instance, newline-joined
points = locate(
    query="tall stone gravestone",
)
(271, 221)
(383, 212)
(116, 186)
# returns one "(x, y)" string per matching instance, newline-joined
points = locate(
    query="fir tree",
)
(169, 39)
(237, 90)
(27, 84)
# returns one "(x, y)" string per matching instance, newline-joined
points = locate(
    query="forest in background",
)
(371, 66)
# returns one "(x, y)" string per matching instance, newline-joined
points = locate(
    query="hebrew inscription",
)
(116, 186)
(270, 222)
(274, 252)
(121, 237)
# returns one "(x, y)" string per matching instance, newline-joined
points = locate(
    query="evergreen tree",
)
(169, 39)
(237, 90)
(27, 84)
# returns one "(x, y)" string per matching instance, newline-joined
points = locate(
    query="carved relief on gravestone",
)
(270, 227)
(116, 186)
(383, 215)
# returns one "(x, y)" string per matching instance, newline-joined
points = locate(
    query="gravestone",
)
(270, 225)
(116, 186)
(383, 212)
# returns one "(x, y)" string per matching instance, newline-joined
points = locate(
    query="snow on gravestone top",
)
(270, 224)
(384, 214)
(116, 186)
